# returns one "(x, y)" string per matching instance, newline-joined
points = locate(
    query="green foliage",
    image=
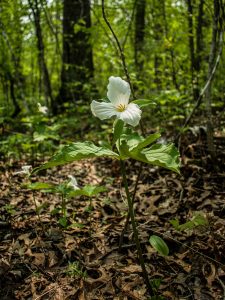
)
(145, 102)
(39, 186)
(159, 245)
(197, 220)
(63, 222)
(146, 142)
(155, 284)
(132, 146)
(74, 270)
(87, 190)
(10, 209)
(76, 151)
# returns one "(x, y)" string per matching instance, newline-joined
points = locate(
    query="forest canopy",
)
(59, 52)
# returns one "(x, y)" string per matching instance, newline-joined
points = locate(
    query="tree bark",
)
(192, 49)
(77, 69)
(12, 94)
(199, 41)
(12, 77)
(158, 34)
(34, 5)
(208, 100)
(170, 50)
(139, 35)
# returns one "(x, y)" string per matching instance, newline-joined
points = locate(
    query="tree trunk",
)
(139, 35)
(77, 69)
(170, 50)
(158, 36)
(34, 5)
(208, 100)
(192, 49)
(12, 94)
(12, 77)
(199, 42)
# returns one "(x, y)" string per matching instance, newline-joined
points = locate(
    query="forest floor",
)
(41, 260)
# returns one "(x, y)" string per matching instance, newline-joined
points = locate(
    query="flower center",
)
(121, 107)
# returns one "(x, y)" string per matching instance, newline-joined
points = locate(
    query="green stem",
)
(135, 231)
(128, 214)
(63, 206)
(38, 214)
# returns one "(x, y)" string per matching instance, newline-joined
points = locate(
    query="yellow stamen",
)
(121, 107)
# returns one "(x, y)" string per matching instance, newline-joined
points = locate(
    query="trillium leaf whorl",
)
(119, 106)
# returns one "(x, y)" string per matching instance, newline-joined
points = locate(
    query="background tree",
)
(35, 7)
(139, 35)
(77, 68)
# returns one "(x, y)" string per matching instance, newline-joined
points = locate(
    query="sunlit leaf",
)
(147, 141)
(166, 156)
(145, 102)
(39, 186)
(88, 191)
(76, 151)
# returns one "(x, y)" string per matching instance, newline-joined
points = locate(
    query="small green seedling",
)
(197, 220)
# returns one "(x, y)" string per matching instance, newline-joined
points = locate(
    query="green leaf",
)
(159, 245)
(117, 130)
(76, 151)
(200, 220)
(175, 223)
(197, 220)
(166, 156)
(131, 146)
(88, 191)
(63, 222)
(39, 186)
(147, 141)
(130, 140)
(145, 102)
(40, 137)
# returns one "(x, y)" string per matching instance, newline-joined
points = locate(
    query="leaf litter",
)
(39, 259)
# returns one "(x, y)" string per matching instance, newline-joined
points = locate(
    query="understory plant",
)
(66, 190)
(126, 143)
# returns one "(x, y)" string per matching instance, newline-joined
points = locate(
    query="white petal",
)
(73, 182)
(118, 91)
(103, 110)
(42, 109)
(131, 115)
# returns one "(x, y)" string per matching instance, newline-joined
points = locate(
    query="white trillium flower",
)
(42, 109)
(25, 170)
(119, 106)
(73, 182)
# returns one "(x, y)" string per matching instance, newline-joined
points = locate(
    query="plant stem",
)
(38, 214)
(128, 214)
(63, 206)
(135, 231)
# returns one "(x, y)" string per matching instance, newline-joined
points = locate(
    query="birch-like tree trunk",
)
(208, 99)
